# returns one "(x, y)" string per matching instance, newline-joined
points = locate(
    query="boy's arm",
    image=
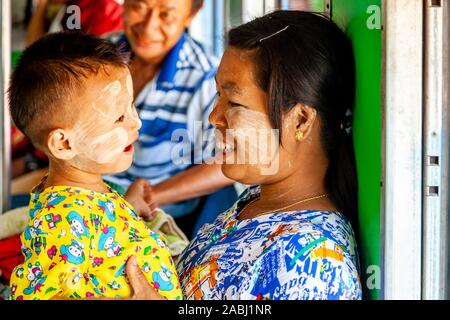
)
(36, 277)
(142, 290)
(158, 267)
(50, 266)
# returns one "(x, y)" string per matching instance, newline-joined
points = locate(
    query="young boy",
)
(72, 95)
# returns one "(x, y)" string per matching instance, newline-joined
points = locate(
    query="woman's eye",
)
(232, 104)
(120, 119)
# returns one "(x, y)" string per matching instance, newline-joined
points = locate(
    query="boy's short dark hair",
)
(50, 72)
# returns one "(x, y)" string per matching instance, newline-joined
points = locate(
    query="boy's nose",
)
(135, 123)
(138, 124)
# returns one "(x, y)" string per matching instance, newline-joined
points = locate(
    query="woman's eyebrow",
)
(231, 86)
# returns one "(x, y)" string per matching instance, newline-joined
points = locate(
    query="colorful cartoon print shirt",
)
(288, 255)
(77, 244)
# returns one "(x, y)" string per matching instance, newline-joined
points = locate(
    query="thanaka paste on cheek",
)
(131, 112)
(129, 85)
(109, 96)
(256, 140)
(101, 149)
(104, 148)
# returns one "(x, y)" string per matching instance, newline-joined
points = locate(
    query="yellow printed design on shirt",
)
(77, 244)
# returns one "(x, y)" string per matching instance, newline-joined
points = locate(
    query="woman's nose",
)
(216, 117)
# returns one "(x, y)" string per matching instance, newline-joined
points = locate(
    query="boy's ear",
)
(59, 145)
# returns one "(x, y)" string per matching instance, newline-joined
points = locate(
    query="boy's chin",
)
(105, 168)
(116, 168)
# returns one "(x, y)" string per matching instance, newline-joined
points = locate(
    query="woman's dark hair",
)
(302, 57)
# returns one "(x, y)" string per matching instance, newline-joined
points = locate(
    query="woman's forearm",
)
(192, 183)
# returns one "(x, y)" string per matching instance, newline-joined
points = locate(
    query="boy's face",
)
(99, 136)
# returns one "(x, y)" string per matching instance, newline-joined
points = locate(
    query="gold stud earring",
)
(299, 135)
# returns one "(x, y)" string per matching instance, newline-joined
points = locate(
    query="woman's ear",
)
(59, 145)
(305, 119)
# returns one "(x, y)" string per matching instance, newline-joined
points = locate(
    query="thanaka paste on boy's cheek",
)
(101, 140)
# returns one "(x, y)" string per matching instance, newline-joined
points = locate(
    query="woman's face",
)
(251, 150)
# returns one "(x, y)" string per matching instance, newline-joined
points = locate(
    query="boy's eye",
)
(120, 119)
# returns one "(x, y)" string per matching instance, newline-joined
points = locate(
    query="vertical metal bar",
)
(432, 216)
(219, 26)
(446, 144)
(436, 128)
(284, 4)
(227, 15)
(271, 5)
(5, 132)
(252, 9)
(402, 149)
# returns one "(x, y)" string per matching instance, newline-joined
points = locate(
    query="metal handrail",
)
(5, 132)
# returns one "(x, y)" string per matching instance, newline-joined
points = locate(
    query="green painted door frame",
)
(361, 20)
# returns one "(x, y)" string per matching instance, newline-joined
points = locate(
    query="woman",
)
(288, 236)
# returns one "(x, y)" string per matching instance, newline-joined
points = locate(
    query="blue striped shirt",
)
(174, 109)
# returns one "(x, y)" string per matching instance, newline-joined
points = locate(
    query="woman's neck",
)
(301, 185)
(306, 181)
(67, 175)
(290, 190)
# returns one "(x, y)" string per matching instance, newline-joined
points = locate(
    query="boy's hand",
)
(140, 196)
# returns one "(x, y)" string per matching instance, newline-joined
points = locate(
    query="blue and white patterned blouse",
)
(288, 255)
